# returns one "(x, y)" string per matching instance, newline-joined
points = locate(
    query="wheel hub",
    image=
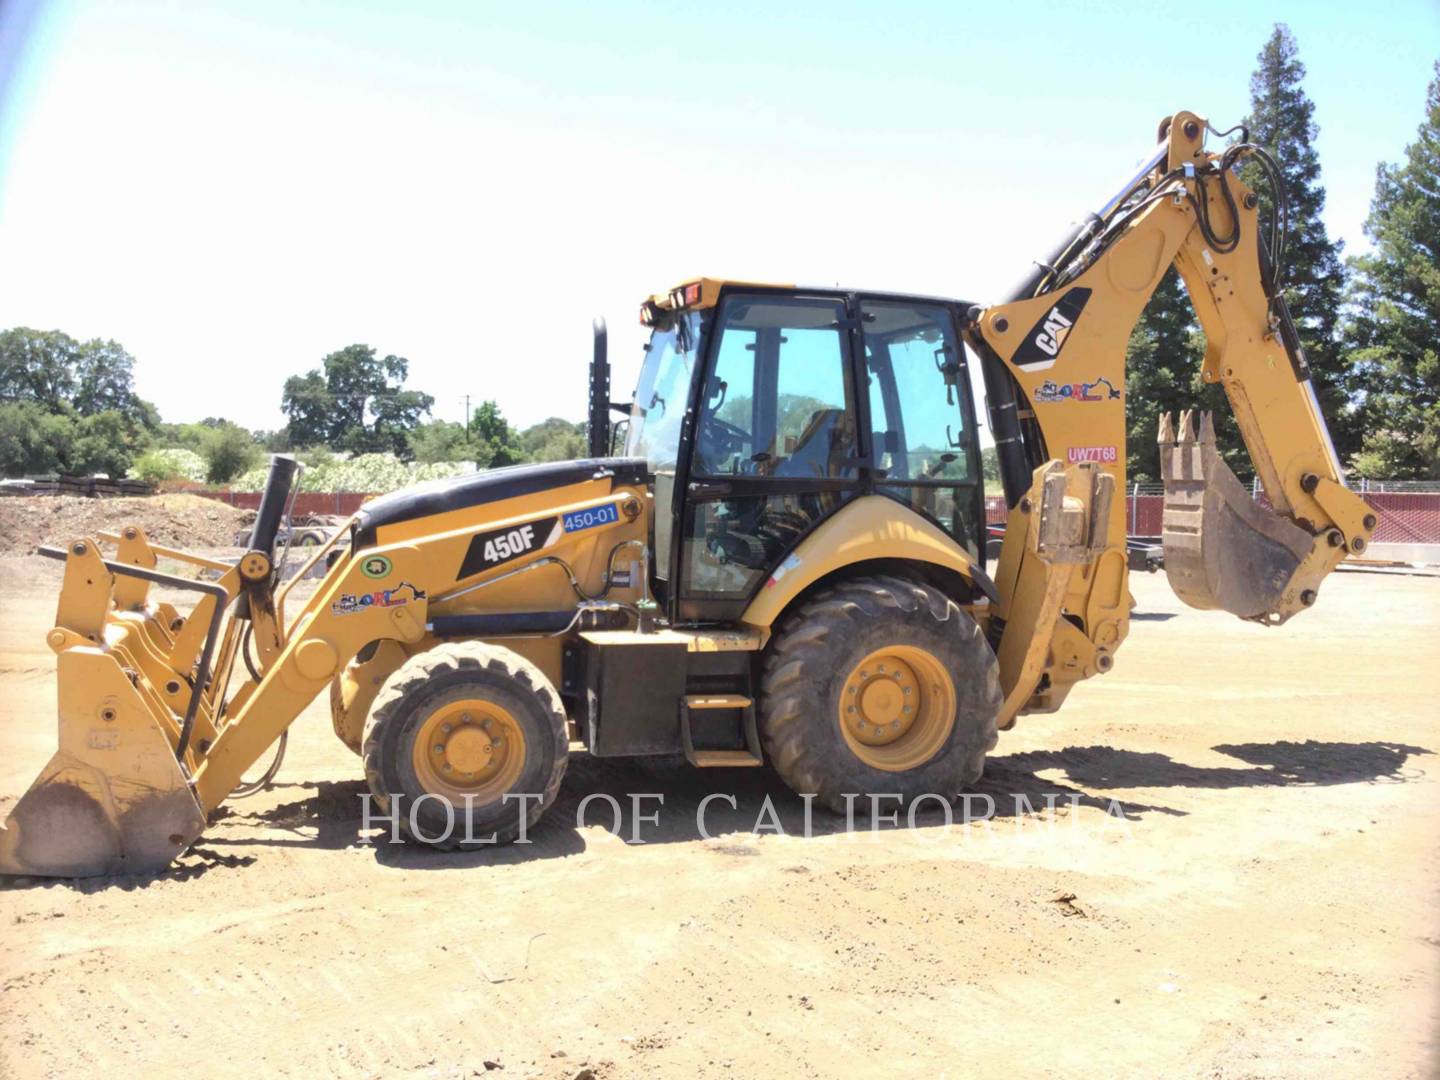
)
(469, 749)
(897, 707)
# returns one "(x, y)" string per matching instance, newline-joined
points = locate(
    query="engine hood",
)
(442, 496)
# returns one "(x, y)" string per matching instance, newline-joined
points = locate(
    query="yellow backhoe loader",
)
(786, 563)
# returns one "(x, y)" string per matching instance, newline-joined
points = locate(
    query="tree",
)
(105, 378)
(39, 366)
(355, 402)
(489, 427)
(64, 377)
(1162, 363)
(1393, 323)
(32, 440)
(1282, 119)
(990, 464)
(396, 415)
(554, 439)
(105, 442)
(228, 450)
(444, 440)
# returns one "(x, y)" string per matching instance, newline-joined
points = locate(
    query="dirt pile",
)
(186, 521)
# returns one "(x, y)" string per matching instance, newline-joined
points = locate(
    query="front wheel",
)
(463, 740)
(879, 685)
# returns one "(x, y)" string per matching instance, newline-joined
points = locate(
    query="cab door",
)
(925, 449)
(775, 445)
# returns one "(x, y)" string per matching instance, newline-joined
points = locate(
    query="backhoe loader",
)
(785, 563)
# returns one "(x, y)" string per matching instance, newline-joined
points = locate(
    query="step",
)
(710, 759)
(721, 759)
(717, 701)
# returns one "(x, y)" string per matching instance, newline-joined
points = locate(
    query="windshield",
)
(662, 393)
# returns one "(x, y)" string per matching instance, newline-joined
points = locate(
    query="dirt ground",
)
(185, 521)
(1265, 907)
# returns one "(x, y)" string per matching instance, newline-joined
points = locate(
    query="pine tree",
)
(1282, 119)
(1161, 365)
(1393, 326)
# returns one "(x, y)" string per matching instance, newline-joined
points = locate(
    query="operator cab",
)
(761, 410)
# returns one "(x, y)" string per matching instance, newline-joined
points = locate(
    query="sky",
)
(234, 190)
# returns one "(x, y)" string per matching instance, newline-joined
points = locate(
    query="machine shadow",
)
(749, 801)
(1282, 764)
(737, 802)
(328, 815)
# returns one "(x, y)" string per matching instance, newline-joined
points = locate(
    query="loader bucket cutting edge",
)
(113, 799)
(1222, 550)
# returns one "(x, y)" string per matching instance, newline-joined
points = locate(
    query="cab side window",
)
(921, 450)
(776, 402)
(775, 445)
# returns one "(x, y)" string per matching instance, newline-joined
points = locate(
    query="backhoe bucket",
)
(113, 799)
(1222, 549)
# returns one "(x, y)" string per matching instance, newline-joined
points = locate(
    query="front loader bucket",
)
(113, 799)
(1222, 549)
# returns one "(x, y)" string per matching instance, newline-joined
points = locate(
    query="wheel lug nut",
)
(439, 748)
(445, 728)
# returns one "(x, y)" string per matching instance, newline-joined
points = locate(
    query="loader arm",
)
(1054, 360)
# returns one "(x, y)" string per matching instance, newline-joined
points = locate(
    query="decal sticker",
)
(1105, 455)
(1101, 389)
(1042, 345)
(790, 563)
(353, 603)
(591, 518)
(375, 566)
(498, 546)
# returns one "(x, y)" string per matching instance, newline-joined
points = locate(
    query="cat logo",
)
(1042, 345)
(1052, 335)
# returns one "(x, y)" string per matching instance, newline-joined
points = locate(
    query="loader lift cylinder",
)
(273, 501)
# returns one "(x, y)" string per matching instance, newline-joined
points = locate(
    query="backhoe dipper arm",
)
(1057, 350)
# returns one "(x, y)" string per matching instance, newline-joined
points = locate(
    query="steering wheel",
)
(720, 438)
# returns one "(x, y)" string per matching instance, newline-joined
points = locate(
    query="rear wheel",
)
(456, 730)
(879, 685)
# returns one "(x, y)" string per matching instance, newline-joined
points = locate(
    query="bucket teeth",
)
(1187, 426)
(1207, 428)
(1166, 436)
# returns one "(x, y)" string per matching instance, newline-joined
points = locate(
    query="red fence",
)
(1406, 517)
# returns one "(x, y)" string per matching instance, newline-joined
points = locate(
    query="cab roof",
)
(697, 294)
